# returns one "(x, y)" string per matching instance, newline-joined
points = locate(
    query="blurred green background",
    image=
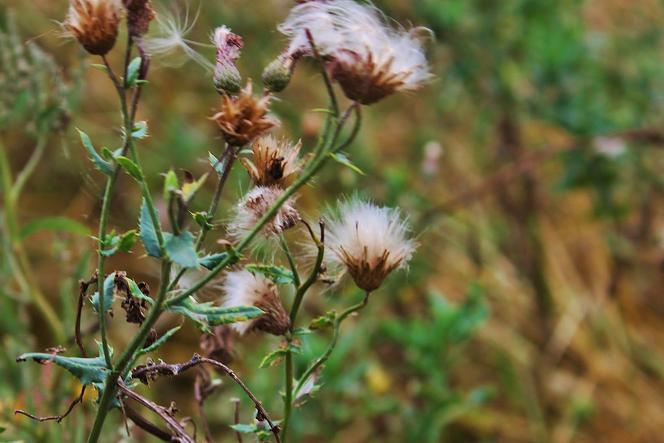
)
(532, 171)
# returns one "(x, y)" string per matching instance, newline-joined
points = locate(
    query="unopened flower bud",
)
(227, 78)
(278, 73)
(94, 23)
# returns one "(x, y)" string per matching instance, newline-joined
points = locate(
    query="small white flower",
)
(368, 240)
(367, 56)
(254, 205)
(243, 288)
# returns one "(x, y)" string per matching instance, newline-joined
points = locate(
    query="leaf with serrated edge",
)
(147, 233)
(205, 315)
(181, 249)
(97, 160)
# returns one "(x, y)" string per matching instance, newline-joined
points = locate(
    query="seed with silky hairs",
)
(242, 118)
(243, 288)
(368, 241)
(94, 23)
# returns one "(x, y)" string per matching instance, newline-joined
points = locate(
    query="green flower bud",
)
(277, 74)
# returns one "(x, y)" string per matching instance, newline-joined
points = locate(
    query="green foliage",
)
(56, 224)
(147, 232)
(131, 167)
(205, 315)
(109, 285)
(277, 274)
(159, 342)
(180, 249)
(115, 243)
(101, 164)
(132, 72)
(212, 260)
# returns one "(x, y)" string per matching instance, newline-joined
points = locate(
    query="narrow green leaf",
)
(212, 260)
(132, 71)
(277, 274)
(276, 357)
(244, 428)
(62, 224)
(88, 370)
(136, 291)
(97, 160)
(99, 67)
(119, 243)
(324, 321)
(170, 184)
(108, 293)
(181, 249)
(147, 232)
(215, 163)
(202, 219)
(341, 158)
(131, 167)
(107, 153)
(160, 341)
(205, 315)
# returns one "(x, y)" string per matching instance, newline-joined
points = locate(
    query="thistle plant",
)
(359, 238)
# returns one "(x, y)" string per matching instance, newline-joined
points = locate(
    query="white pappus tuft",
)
(368, 56)
(243, 288)
(254, 205)
(369, 241)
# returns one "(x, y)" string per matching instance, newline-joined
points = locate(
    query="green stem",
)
(124, 363)
(288, 398)
(291, 260)
(335, 337)
(21, 265)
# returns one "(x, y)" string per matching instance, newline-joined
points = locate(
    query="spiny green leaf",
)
(132, 71)
(136, 291)
(275, 357)
(324, 321)
(202, 219)
(181, 249)
(277, 274)
(212, 260)
(97, 160)
(205, 315)
(160, 341)
(341, 158)
(131, 167)
(147, 232)
(108, 293)
(89, 370)
(62, 224)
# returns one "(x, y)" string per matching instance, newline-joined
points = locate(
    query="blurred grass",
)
(532, 170)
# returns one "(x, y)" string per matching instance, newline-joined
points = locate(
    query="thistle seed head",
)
(94, 23)
(139, 15)
(243, 288)
(369, 58)
(242, 118)
(369, 241)
(274, 162)
(254, 205)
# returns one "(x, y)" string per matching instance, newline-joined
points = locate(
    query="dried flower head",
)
(244, 117)
(139, 15)
(368, 57)
(243, 288)
(94, 23)
(254, 205)
(369, 241)
(274, 162)
(226, 75)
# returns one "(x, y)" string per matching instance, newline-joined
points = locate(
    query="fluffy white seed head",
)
(368, 56)
(254, 205)
(369, 241)
(243, 288)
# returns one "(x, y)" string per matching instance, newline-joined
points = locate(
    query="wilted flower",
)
(226, 75)
(369, 58)
(94, 23)
(254, 205)
(243, 288)
(369, 241)
(274, 162)
(139, 15)
(244, 117)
